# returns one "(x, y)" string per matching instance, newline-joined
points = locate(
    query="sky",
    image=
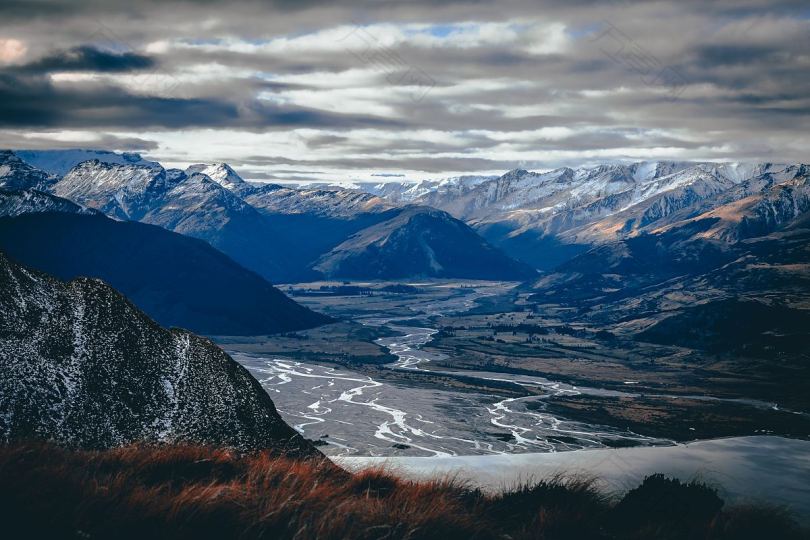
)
(378, 90)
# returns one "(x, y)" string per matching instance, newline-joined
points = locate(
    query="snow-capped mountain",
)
(29, 201)
(544, 218)
(753, 208)
(83, 367)
(222, 174)
(279, 232)
(122, 191)
(411, 192)
(59, 162)
(17, 174)
(193, 205)
(273, 198)
(332, 202)
(727, 238)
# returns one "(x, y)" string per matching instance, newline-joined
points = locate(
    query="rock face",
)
(84, 367)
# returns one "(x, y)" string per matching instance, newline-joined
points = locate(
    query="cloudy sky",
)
(342, 90)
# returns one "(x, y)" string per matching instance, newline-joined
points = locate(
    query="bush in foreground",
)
(200, 493)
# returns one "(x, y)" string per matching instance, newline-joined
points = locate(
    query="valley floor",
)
(463, 367)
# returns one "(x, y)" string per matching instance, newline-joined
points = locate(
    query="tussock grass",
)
(201, 493)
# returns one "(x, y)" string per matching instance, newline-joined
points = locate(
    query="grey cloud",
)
(745, 81)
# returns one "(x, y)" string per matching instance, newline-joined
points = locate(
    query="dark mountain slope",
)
(179, 281)
(310, 235)
(83, 367)
(420, 241)
(735, 326)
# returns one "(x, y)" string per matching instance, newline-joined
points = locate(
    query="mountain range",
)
(711, 257)
(83, 367)
(547, 218)
(585, 228)
(282, 233)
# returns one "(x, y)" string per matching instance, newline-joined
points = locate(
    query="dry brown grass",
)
(192, 492)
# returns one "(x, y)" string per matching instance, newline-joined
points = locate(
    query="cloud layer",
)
(348, 90)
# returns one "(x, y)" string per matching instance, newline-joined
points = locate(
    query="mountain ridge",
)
(178, 280)
(545, 218)
(279, 232)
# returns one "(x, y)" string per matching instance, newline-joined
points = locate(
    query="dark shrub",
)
(663, 507)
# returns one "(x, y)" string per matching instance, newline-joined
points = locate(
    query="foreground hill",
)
(83, 367)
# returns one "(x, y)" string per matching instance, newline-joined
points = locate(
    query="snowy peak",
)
(221, 173)
(525, 212)
(59, 162)
(123, 191)
(650, 170)
(408, 192)
(331, 202)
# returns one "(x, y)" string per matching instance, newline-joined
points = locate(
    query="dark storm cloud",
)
(729, 55)
(37, 103)
(100, 140)
(88, 58)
